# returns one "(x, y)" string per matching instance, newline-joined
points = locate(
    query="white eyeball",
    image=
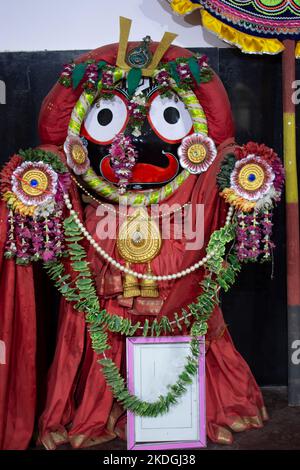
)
(106, 119)
(169, 118)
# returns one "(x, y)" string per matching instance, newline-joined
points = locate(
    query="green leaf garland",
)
(37, 155)
(80, 290)
(227, 166)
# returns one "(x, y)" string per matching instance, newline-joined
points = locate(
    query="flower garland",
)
(123, 157)
(251, 180)
(81, 290)
(184, 71)
(138, 110)
(89, 74)
(33, 184)
(122, 151)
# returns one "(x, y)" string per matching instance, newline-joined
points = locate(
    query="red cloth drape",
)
(18, 334)
(79, 406)
(79, 403)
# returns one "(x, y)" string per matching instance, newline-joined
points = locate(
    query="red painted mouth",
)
(144, 172)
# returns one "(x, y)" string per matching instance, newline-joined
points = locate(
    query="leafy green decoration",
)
(78, 73)
(173, 71)
(100, 66)
(195, 69)
(133, 79)
(37, 155)
(163, 403)
(79, 288)
(227, 166)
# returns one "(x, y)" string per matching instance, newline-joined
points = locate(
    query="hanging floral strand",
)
(123, 158)
(251, 180)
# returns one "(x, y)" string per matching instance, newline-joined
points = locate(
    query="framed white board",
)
(152, 365)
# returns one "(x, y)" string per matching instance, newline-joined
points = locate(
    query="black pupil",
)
(171, 115)
(105, 117)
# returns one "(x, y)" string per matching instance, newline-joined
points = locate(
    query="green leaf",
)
(133, 80)
(101, 65)
(174, 73)
(78, 74)
(146, 327)
(195, 69)
(36, 155)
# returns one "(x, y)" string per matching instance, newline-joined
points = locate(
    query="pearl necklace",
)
(124, 214)
(125, 270)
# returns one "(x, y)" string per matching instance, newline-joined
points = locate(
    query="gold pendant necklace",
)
(139, 241)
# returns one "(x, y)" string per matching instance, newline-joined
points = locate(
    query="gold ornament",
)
(149, 286)
(139, 239)
(163, 46)
(197, 153)
(256, 174)
(138, 242)
(41, 182)
(130, 285)
(78, 154)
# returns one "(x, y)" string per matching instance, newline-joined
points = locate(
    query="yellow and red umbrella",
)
(269, 27)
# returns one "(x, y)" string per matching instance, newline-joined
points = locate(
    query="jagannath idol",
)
(143, 124)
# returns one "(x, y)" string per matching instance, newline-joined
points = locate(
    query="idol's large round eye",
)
(169, 118)
(106, 119)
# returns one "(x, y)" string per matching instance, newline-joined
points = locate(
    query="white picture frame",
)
(152, 365)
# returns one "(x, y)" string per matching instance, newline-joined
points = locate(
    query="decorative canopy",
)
(255, 26)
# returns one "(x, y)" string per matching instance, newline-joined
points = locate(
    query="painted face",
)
(167, 122)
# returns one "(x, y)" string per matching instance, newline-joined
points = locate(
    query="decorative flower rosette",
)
(251, 180)
(77, 154)
(196, 153)
(33, 184)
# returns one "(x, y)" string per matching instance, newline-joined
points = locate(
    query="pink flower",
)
(107, 78)
(123, 158)
(183, 71)
(163, 78)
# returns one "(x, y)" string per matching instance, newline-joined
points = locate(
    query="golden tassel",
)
(130, 285)
(149, 287)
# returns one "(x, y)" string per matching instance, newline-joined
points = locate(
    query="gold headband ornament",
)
(140, 57)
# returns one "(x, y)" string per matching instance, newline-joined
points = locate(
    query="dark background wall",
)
(255, 309)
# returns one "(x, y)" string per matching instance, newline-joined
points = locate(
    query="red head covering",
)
(58, 105)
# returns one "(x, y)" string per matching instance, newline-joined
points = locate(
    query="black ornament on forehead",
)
(147, 86)
(140, 56)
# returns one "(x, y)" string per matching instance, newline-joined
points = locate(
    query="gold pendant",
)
(139, 241)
